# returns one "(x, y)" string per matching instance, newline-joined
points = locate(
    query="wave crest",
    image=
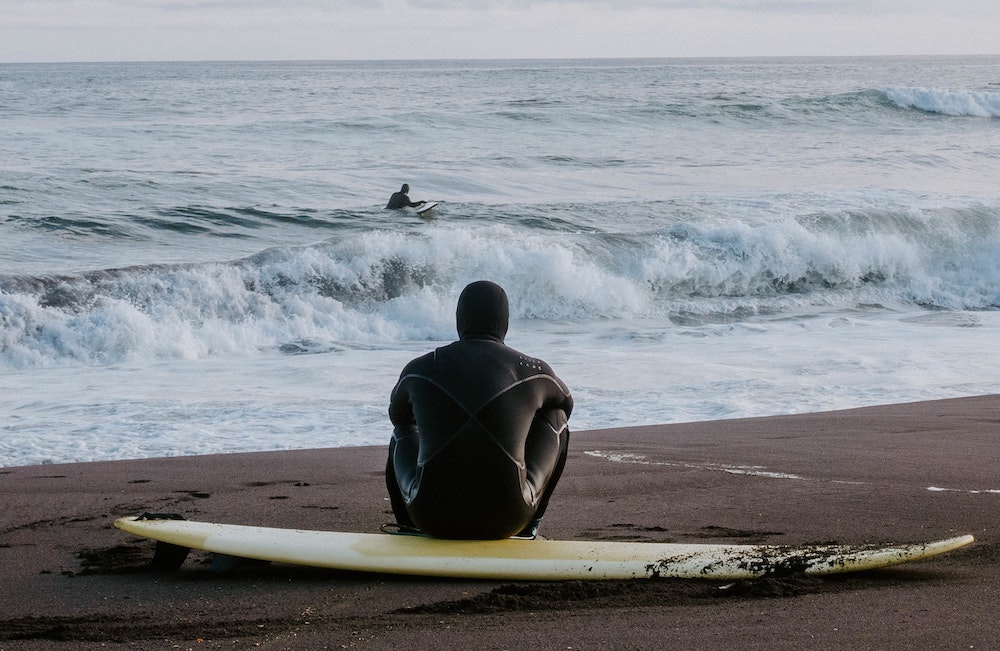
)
(382, 287)
(981, 104)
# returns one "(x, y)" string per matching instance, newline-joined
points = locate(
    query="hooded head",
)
(405, 188)
(483, 312)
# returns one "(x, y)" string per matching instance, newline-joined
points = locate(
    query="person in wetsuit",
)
(401, 199)
(480, 431)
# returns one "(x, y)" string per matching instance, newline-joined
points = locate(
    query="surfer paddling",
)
(401, 199)
(480, 431)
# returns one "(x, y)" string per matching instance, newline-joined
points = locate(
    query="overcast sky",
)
(143, 30)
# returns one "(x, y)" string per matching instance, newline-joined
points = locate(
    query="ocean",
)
(195, 257)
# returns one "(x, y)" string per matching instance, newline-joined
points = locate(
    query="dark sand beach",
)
(899, 473)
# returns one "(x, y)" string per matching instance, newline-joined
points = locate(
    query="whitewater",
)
(195, 258)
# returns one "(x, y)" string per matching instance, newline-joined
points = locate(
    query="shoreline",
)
(894, 473)
(594, 430)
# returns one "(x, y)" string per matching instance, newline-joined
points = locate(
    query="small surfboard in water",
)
(536, 560)
(424, 209)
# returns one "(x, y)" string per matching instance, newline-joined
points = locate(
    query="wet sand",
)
(899, 473)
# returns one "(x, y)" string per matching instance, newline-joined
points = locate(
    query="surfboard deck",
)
(427, 207)
(535, 560)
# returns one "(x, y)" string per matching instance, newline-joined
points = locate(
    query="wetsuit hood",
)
(483, 312)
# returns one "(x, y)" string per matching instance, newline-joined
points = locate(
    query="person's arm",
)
(397, 202)
(400, 409)
(560, 397)
(567, 404)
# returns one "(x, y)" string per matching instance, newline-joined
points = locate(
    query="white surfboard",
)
(427, 207)
(536, 560)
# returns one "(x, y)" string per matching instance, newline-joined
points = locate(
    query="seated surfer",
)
(401, 199)
(480, 431)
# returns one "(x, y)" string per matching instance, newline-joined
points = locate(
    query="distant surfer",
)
(480, 431)
(401, 199)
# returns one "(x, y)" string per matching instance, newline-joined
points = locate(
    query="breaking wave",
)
(381, 287)
(980, 104)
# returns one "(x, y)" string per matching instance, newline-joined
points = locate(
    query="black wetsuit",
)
(401, 200)
(481, 431)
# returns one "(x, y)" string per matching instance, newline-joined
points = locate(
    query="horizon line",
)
(509, 59)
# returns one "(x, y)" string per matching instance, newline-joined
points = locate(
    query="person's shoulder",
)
(417, 364)
(534, 364)
(527, 362)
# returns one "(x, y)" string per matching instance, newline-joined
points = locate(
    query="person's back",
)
(401, 199)
(480, 430)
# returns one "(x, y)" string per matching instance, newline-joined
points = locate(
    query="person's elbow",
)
(567, 405)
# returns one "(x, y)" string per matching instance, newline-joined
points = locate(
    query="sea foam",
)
(380, 288)
(981, 104)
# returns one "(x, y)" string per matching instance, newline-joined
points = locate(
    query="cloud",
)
(769, 6)
(59, 30)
